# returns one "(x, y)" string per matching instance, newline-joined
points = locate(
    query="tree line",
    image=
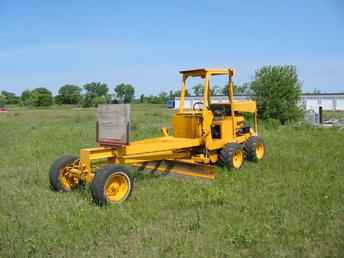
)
(90, 95)
(95, 93)
(276, 89)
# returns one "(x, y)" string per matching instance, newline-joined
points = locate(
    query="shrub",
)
(40, 97)
(2, 101)
(96, 93)
(125, 92)
(10, 97)
(58, 100)
(271, 123)
(277, 90)
(98, 100)
(69, 94)
(26, 97)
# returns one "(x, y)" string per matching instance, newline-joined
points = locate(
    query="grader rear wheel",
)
(112, 184)
(232, 156)
(61, 179)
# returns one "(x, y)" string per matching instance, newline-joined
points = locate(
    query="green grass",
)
(333, 115)
(289, 205)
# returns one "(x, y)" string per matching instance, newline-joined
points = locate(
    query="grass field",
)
(334, 115)
(289, 205)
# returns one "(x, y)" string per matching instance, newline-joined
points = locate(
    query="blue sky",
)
(146, 43)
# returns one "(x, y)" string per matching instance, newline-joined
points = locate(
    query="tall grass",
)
(289, 205)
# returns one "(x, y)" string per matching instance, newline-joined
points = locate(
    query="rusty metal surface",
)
(113, 124)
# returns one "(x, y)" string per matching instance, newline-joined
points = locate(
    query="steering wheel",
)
(199, 103)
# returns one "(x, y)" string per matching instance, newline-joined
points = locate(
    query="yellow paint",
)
(117, 187)
(238, 159)
(160, 144)
(181, 167)
(192, 139)
(69, 176)
(260, 151)
(145, 157)
(182, 94)
(164, 131)
(66, 180)
(87, 156)
(187, 125)
(244, 106)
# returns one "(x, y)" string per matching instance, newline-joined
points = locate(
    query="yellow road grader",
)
(204, 135)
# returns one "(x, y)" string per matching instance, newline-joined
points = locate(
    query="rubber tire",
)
(226, 155)
(54, 172)
(250, 148)
(98, 183)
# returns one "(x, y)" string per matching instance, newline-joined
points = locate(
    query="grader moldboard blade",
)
(173, 167)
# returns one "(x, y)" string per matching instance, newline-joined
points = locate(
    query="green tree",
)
(216, 90)
(26, 97)
(142, 98)
(277, 90)
(238, 89)
(2, 100)
(197, 90)
(41, 97)
(242, 89)
(87, 100)
(69, 94)
(171, 95)
(10, 97)
(163, 97)
(94, 90)
(99, 100)
(124, 92)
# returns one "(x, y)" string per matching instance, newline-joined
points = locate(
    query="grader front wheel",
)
(255, 149)
(232, 156)
(112, 184)
(61, 178)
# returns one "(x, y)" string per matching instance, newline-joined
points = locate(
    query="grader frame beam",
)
(143, 161)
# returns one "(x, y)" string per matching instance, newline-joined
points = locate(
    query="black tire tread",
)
(226, 155)
(55, 171)
(250, 148)
(97, 186)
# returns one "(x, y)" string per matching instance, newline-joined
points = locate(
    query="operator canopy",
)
(203, 72)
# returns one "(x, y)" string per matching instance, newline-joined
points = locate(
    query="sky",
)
(146, 43)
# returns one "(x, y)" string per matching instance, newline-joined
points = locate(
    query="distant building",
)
(329, 101)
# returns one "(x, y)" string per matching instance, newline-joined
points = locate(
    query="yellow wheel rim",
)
(67, 180)
(260, 151)
(238, 158)
(117, 187)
